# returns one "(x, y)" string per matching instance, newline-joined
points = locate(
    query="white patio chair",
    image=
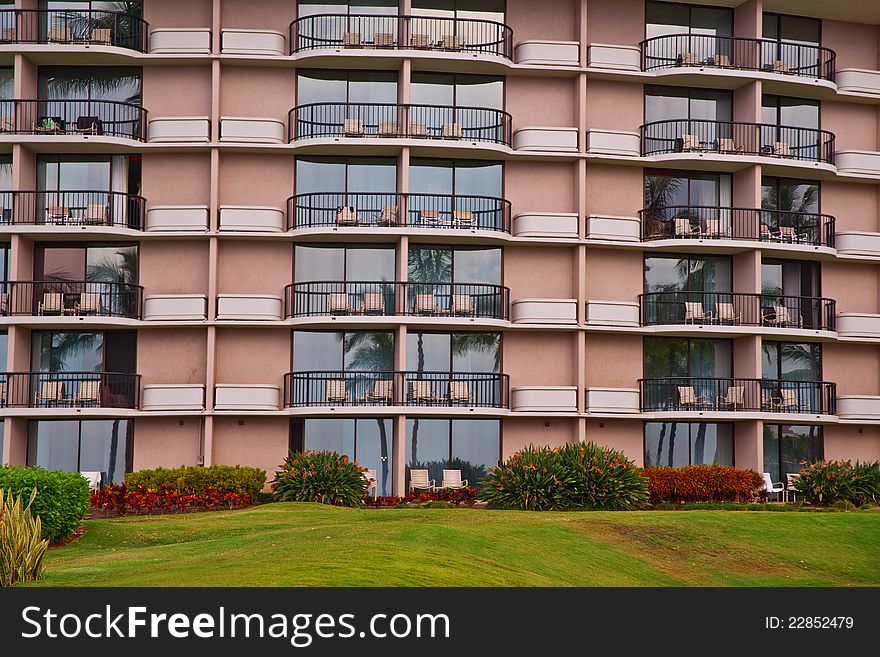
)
(418, 480)
(773, 488)
(452, 479)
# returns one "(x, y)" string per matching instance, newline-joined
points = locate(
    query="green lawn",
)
(313, 545)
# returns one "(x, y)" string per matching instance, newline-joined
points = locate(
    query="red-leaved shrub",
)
(125, 500)
(703, 483)
(459, 497)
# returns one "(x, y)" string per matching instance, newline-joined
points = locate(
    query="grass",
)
(314, 545)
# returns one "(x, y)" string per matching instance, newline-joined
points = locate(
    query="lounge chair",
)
(90, 125)
(49, 393)
(420, 41)
(689, 399)
(449, 42)
(336, 392)
(418, 129)
(463, 219)
(52, 304)
(683, 227)
(93, 477)
(346, 216)
(418, 480)
(452, 479)
(451, 131)
(727, 145)
(95, 214)
(59, 34)
(102, 36)
(688, 59)
(787, 401)
(370, 478)
(462, 304)
(429, 217)
(387, 129)
(690, 143)
(722, 61)
(459, 392)
(713, 229)
(374, 303)
(88, 393)
(3, 400)
(339, 303)
(382, 392)
(790, 481)
(773, 488)
(89, 303)
(422, 392)
(425, 304)
(789, 234)
(733, 399)
(57, 214)
(383, 40)
(352, 40)
(770, 235)
(725, 313)
(781, 149)
(694, 313)
(779, 316)
(780, 66)
(353, 128)
(388, 216)
(51, 125)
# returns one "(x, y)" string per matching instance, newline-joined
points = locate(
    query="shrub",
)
(448, 497)
(237, 479)
(62, 499)
(833, 482)
(325, 477)
(22, 546)
(574, 476)
(124, 500)
(702, 483)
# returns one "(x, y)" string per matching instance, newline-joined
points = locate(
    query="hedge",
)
(703, 483)
(62, 499)
(238, 479)
(833, 482)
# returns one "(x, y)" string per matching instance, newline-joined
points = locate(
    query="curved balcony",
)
(425, 33)
(70, 390)
(710, 394)
(717, 223)
(737, 309)
(71, 299)
(376, 210)
(703, 136)
(388, 388)
(74, 26)
(384, 299)
(84, 118)
(737, 53)
(390, 121)
(72, 208)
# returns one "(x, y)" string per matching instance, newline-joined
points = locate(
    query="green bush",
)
(325, 477)
(62, 499)
(238, 479)
(571, 477)
(22, 546)
(840, 483)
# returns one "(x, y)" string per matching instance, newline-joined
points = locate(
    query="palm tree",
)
(121, 268)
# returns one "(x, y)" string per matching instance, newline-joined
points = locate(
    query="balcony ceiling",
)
(857, 11)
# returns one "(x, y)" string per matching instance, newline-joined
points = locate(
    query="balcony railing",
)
(361, 31)
(384, 298)
(70, 389)
(84, 117)
(390, 120)
(766, 55)
(391, 210)
(708, 222)
(73, 208)
(71, 299)
(387, 388)
(737, 309)
(734, 394)
(77, 26)
(737, 138)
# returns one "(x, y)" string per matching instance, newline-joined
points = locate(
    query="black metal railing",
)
(76, 26)
(73, 208)
(391, 210)
(766, 55)
(736, 394)
(737, 309)
(87, 117)
(71, 299)
(70, 389)
(711, 222)
(389, 388)
(389, 120)
(737, 138)
(353, 31)
(385, 298)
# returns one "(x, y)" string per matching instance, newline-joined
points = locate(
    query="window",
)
(346, 87)
(790, 294)
(7, 83)
(693, 34)
(89, 446)
(99, 263)
(791, 127)
(787, 448)
(4, 264)
(4, 349)
(791, 44)
(369, 7)
(356, 351)
(681, 357)
(667, 193)
(454, 265)
(454, 352)
(84, 351)
(456, 193)
(675, 444)
(673, 280)
(69, 6)
(343, 263)
(352, 175)
(457, 90)
(788, 195)
(121, 84)
(472, 446)
(488, 10)
(791, 361)
(677, 118)
(365, 441)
